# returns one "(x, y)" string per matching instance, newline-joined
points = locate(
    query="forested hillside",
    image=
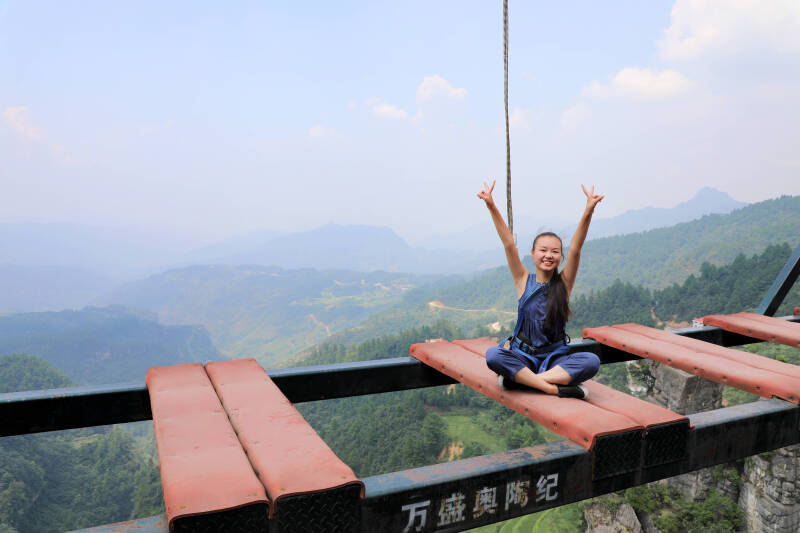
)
(654, 259)
(265, 312)
(273, 314)
(660, 257)
(67, 480)
(488, 299)
(731, 288)
(104, 345)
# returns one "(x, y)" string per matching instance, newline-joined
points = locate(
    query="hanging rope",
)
(505, 95)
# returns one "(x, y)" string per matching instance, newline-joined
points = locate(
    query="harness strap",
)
(518, 343)
(539, 364)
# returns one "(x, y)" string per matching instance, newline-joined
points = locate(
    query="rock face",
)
(766, 486)
(685, 393)
(722, 478)
(600, 519)
(770, 494)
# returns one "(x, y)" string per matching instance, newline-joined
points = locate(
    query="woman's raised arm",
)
(570, 271)
(518, 272)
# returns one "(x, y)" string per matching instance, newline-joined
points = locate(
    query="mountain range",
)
(706, 201)
(52, 266)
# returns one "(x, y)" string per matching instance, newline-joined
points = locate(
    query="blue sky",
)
(211, 119)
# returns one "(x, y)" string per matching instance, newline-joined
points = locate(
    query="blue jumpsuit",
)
(531, 315)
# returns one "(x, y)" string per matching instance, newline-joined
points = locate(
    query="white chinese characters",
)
(451, 509)
(517, 493)
(454, 508)
(485, 502)
(547, 488)
(416, 511)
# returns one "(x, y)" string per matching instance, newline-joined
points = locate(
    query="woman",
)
(537, 354)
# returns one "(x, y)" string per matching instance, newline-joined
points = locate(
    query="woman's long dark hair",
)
(558, 310)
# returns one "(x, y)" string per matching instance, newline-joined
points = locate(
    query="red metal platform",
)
(758, 326)
(289, 457)
(204, 470)
(756, 374)
(605, 412)
(644, 413)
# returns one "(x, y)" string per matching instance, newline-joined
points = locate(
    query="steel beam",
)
(57, 409)
(77, 407)
(781, 286)
(482, 490)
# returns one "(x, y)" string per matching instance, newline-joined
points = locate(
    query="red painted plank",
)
(288, 455)
(203, 468)
(749, 359)
(579, 421)
(761, 327)
(640, 411)
(722, 370)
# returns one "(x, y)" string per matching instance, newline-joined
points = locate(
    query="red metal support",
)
(206, 477)
(745, 371)
(761, 327)
(304, 479)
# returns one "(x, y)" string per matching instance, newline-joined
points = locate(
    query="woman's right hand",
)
(486, 193)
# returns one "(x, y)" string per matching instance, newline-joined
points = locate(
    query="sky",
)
(209, 119)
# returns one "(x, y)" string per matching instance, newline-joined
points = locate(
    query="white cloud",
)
(320, 131)
(381, 109)
(519, 118)
(17, 119)
(573, 116)
(730, 28)
(433, 86)
(640, 83)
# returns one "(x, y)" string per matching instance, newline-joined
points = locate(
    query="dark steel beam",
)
(58, 409)
(781, 286)
(77, 407)
(324, 382)
(482, 490)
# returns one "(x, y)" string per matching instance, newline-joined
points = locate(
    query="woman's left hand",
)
(592, 199)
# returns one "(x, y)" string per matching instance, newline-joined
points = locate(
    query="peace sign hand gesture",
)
(486, 193)
(592, 199)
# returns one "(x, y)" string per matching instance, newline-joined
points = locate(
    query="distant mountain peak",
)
(710, 195)
(706, 201)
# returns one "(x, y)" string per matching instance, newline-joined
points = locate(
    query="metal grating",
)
(617, 454)
(330, 511)
(247, 519)
(666, 443)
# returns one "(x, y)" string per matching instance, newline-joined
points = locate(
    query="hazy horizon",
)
(192, 242)
(209, 121)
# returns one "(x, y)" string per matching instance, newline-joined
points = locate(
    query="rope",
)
(505, 97)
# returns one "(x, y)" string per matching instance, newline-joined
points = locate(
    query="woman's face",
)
(547, 253)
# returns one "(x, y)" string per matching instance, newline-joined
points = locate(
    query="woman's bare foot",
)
(526, 377)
